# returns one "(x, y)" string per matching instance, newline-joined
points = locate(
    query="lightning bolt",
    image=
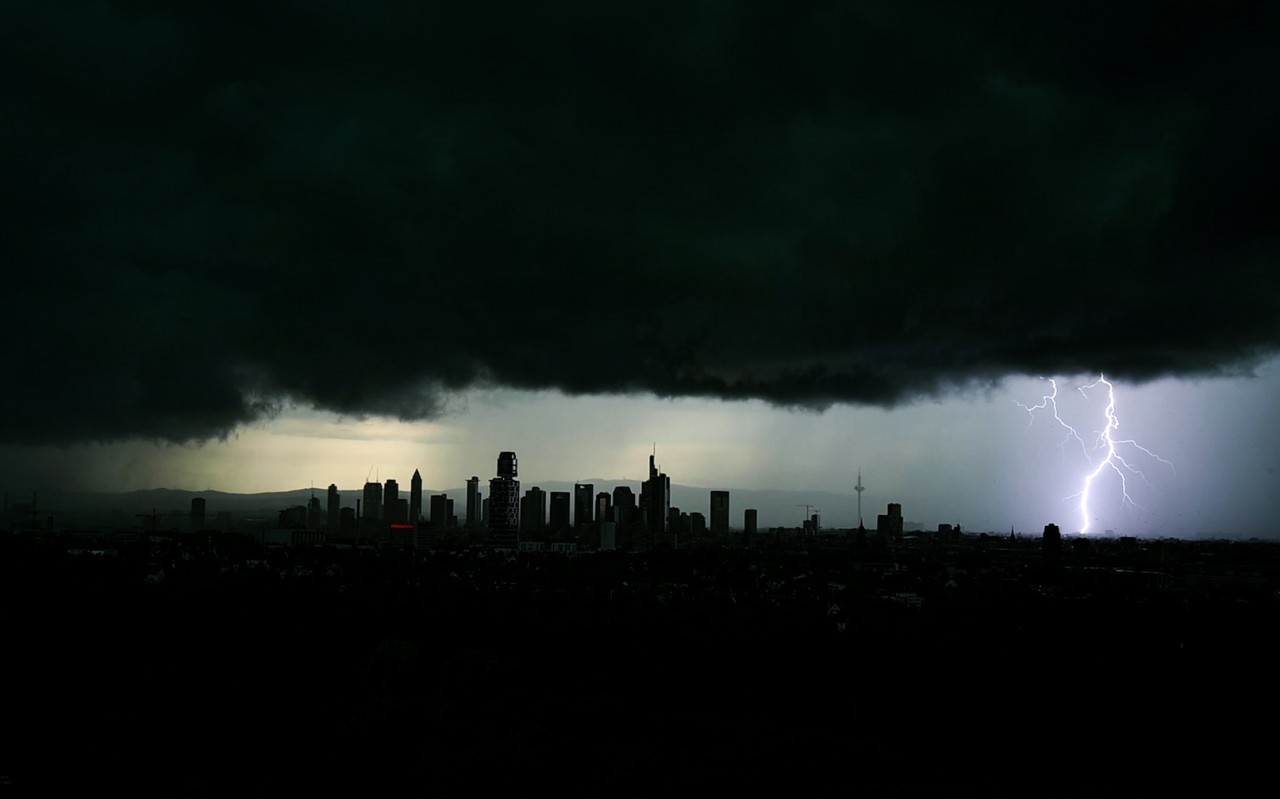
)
(1105, 442)
(1050, 400)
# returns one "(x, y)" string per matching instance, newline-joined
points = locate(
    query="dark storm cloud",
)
(365, 205)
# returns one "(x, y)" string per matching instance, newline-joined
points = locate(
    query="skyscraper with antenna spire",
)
(655, 503)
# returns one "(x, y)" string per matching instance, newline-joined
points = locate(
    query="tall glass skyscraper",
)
(504, 504)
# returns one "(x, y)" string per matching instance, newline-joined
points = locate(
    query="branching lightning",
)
(1105, 443)
(1050, 400)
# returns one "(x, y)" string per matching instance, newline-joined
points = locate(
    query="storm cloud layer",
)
(365, 206)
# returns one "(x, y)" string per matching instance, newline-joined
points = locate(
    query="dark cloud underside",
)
(362, 205)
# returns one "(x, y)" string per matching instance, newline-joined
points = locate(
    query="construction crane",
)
(808, 511)
(808, 517)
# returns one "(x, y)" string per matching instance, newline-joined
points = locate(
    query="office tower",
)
(584, 495)
(372, 501)
(533, 511)
(439, 511)
(680, 528)
(313, 512)
(559, 507)
(890, 523)
(1051, 546)
(415, 498)
(333, 509)
(347, 522)
(197, 513)
(720, 513)
(697, 524)
(749, 517)
(504, 504)
(449, 514)
(655, 505)
(390, 502)
(624, 507)
(604, 507)
(473, 503)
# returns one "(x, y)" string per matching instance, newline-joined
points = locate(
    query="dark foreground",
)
(800, 672)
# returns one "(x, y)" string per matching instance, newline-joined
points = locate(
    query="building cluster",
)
(507, 519)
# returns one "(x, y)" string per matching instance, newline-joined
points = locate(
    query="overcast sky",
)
(251, 246)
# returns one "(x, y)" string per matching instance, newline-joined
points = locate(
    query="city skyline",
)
(983, 463)
(257, 249)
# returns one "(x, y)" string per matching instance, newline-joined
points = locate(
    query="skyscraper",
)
(559, 508)
(720, 513)
(333, 509)
(655, 505)
(197, 513)
(372, 507)
(313, 512)
(604, 507)
(624, 508)
(1051, 546)
(391, 502)
(415, 498)
(697, 524)
(749, 517)
(584, 495)
(533, 511)
(890, 523)
(504, 504)
(473, 503)
(439, 511)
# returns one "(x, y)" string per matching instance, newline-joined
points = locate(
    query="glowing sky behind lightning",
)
(1105, 454)
(1112, 458)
